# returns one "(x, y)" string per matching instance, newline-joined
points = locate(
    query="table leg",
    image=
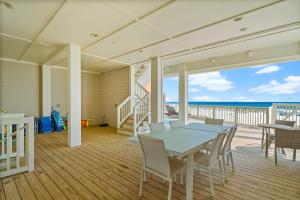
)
(189, 176)
(267, 141)
(262, 138)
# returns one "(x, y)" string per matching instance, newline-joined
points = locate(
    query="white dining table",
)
(183, 142)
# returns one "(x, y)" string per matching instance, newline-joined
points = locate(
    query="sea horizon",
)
(229, 103)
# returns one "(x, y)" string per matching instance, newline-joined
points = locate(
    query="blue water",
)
(248, 104)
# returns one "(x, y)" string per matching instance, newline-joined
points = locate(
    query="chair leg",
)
(283, 152)
(211, 184)
(232, 163)
(141, 183)
(225, 169)
(221, 170)
(145, 176)
(294, 155)
(170, 189)
(181, 177)
(175, 177)
(275, 149)
(262, 138)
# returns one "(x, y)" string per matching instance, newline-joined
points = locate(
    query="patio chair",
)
(214, 121)
(207, 160)
(287, 139)
(157, 162)
(157, 126)
(171, 112)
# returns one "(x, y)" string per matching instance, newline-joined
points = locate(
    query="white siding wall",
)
(90, 94)
(19, 88)
(114, 89)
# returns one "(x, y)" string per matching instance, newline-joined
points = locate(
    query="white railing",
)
(141, 111)
(124, 110)
(17, 145)
(251, 116)
(140, 91)
(288, 112)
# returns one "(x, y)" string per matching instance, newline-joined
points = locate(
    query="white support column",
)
(183, 95)
(46, 84)
(74, 88)
(132, 84)
(156, 89)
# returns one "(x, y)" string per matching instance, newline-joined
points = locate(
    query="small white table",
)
(267, 130)
(183, 142)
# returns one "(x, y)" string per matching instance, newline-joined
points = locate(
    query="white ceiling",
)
(131, 31)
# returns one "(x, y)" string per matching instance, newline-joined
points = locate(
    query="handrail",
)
(140, 91)
(124, 110)
(288, 112)
(140, 111)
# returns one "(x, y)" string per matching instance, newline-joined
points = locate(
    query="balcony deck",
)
(106, 166)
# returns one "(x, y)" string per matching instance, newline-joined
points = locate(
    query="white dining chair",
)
(157, 126)
(157, 162)
(208, 160)
(213, 121)
(226, 151)
(175, 124)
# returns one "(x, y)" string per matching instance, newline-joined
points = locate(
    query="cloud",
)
(193, 89)
(268, 69)
(204, 98)
(171, 99)
(290, 85)
(243, 99)
(212, 81)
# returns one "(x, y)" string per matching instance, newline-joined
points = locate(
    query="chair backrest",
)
(157, 126)
(228, 140)
(287, 123)
(214, 121)
(171, 110)
(217, 146)
(287, 138)
(155, 156)
(175, 123)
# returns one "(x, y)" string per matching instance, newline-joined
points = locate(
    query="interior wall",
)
(90, 94)
(114, 89)
(19, 88)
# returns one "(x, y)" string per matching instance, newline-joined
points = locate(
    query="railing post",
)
(273, 113)
(30, 144)
(236, 111)
(197, 112)
(214, 112)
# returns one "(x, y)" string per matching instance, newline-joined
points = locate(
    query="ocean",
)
(247, 104)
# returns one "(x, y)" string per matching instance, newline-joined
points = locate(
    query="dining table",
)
(183, 142)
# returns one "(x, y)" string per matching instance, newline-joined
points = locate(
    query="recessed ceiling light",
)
(93, 34)
(243, 29)
(238, 19)
(6, 4)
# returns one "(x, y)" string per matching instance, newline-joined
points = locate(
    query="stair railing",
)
(140, 91)
(124, 110)
(141, 111)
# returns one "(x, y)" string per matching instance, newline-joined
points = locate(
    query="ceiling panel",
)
(140, 8)
(12, 48)
(78, 19)
(26, 18)
(264, 42)
(133, 37)
(39, 53)
(103, 66)
(90, 61)
(182, 16)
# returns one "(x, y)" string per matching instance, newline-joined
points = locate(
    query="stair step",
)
(129, 121)
(127, 126)
(125, 132)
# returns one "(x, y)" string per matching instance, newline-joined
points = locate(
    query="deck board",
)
(107, 167)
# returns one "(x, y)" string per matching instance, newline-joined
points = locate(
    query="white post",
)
(156, 89)
(46, 82)
(74, 88)
(132, 86)
(30, 144)
(183, 95)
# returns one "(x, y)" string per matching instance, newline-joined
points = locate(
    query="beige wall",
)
(114, 89)
(20, 91)
(19, 88)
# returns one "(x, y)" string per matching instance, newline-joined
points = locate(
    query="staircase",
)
(133, 117)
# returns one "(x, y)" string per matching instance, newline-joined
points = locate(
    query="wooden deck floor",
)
(107, 167)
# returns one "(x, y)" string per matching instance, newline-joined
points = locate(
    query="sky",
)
(268, 83)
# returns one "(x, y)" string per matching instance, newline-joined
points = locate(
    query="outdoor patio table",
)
(267, 130)
(181, 142)
(208, 127)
